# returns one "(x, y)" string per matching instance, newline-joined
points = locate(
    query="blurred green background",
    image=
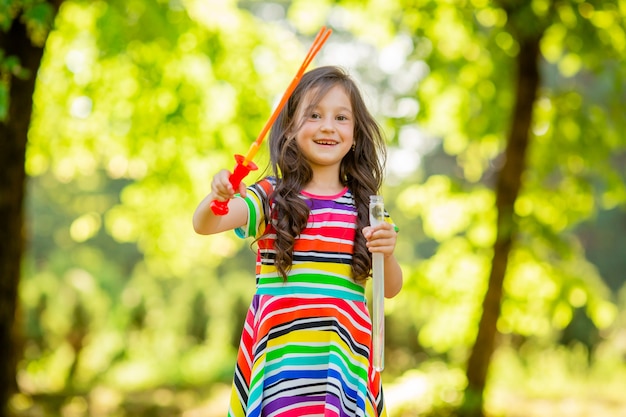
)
(126, 311)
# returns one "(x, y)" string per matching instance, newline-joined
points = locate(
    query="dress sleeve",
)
(256, 200)
(389, 220)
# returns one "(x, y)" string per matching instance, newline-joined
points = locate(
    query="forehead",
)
(335, 93)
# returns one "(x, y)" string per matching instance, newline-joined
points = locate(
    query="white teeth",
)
(325, 142)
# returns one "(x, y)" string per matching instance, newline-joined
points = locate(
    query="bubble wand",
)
(377, 216)
(244, 164)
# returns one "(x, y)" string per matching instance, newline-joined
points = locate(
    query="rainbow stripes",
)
(306, 343)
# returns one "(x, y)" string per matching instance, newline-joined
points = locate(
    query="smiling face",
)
(327, 131)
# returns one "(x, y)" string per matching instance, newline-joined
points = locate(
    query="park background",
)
(506, 171)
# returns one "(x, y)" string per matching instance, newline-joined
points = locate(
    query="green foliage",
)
(138, 103)
(9, 67)
(4, 100)
(37, 15)
(8, 11)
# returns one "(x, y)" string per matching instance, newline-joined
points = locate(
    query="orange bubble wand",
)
(245, 164)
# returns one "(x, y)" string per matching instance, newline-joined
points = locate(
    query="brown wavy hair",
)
(361, 169)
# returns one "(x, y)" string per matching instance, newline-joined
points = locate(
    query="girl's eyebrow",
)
(340, 108)
(347, 109)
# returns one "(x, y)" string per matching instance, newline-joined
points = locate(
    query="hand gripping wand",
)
(244, 164)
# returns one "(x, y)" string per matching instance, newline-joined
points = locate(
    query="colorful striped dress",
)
(306, 342)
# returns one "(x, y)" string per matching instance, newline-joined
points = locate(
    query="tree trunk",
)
(507, 190)
(13, 138)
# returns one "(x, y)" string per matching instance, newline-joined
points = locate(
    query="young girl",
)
(306, 342)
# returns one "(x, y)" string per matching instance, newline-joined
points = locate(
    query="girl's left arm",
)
(382, 239)
(393, 276)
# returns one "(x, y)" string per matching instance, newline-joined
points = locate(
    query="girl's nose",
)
(327, 125)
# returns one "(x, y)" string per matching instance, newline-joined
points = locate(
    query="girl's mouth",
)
(325, 142)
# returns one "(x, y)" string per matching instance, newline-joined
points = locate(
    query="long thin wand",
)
(319, 41)
(244, 164)
(377, 216)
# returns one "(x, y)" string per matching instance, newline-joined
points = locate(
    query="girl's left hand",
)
(381, 238)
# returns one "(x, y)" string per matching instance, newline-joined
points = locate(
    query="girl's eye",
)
(342, 118)
(315, 116)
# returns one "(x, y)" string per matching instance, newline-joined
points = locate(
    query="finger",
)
(242, 189)
(222, 191)
(382, 242)
(379, 233)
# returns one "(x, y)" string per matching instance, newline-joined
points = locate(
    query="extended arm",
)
(205, 222)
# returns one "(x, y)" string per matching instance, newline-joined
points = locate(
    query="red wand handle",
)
(220, 208)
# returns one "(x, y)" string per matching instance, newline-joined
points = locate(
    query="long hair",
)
(361, 169)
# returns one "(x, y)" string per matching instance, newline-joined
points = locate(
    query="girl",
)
(306, 342)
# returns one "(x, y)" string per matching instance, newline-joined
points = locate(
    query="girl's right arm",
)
(205, 222)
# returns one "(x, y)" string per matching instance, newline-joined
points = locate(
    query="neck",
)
(324, 182)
